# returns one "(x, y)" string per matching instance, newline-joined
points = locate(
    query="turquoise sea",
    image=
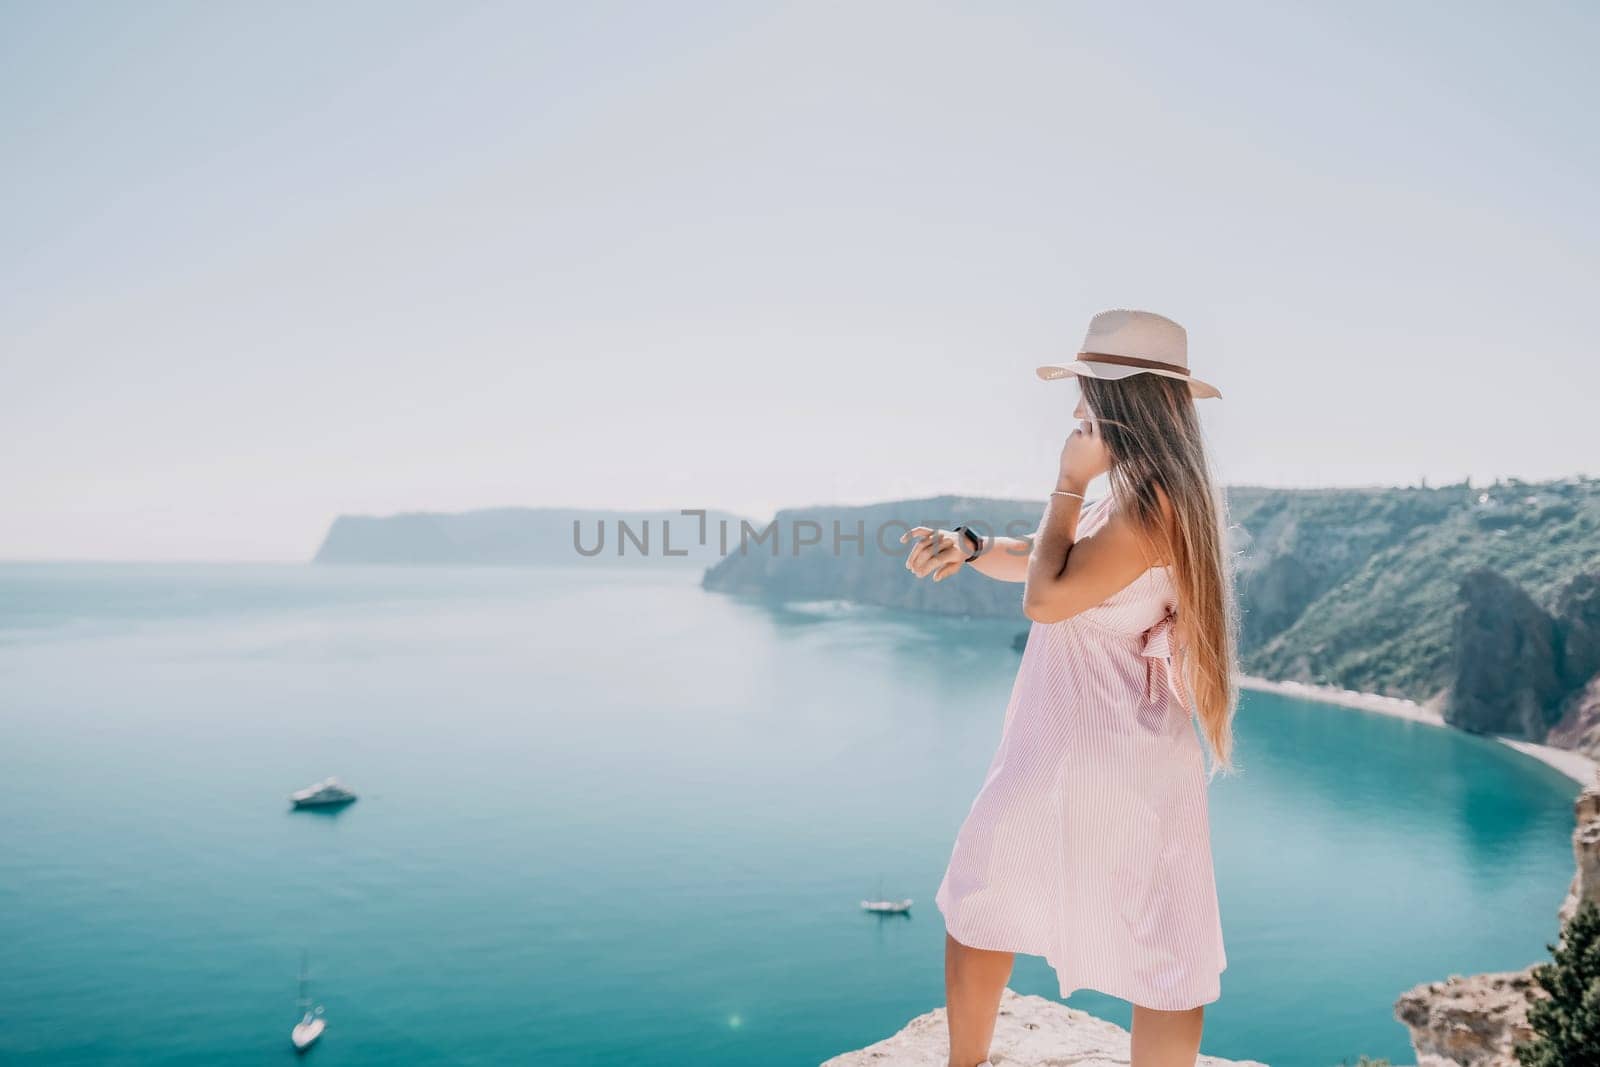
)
(609, 818)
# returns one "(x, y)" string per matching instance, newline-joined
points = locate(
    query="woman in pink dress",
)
(1088, 843)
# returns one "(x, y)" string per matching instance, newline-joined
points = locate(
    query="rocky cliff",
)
(1586, 852)
(1507, 659)
(1469, 1022)
(1477, 1021)
(1030, 1032)
(1521, 669)
(1579, 727)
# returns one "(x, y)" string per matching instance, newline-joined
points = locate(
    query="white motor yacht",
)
(327, 793)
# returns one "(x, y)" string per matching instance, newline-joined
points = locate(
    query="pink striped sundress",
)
(1089, 842)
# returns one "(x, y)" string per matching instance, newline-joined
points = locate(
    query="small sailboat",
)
(327, 793)
(311, 1024)
(879, 905)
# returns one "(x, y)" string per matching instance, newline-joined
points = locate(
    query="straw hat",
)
(1121, 343)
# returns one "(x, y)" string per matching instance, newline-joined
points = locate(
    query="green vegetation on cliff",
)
(1385, 623)
(1566, 1020)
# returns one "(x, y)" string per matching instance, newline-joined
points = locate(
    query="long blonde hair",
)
(1152, 432)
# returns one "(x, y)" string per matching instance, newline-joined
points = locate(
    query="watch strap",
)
(973, 538)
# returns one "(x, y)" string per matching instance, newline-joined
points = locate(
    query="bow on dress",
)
(1157, 650)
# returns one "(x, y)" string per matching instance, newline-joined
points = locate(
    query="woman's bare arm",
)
(943, 552)
(1005, 559)
(1062, 573)
(1068, 574)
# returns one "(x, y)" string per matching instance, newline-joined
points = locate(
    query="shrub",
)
(1567, 1025)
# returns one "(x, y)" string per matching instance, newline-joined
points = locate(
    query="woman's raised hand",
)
(937, 552)
(1083, 458)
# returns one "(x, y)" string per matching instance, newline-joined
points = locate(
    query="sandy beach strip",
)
(1349, 698)
(1574, 765)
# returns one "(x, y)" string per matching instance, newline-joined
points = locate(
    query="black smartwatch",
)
(973, 538)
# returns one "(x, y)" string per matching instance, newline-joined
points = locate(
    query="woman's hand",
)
(937, 552)
(1083, 458)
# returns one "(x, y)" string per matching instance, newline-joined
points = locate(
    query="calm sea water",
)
(609, 818)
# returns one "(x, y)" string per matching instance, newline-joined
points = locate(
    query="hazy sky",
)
(263, 264)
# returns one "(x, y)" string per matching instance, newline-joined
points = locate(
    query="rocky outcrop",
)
(1585, 854)
(1030, 1032)
(1507, 657)
(1579, 728)
(1478, 1021)
(1522, 670)
(1578, 615)
(1279, 589)
(1578, 624)
(1469, 1022)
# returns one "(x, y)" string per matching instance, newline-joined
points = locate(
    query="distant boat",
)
(311, 1024)
(879, 905)
(327, 793)
(887, 907)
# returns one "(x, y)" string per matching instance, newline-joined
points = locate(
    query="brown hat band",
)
(1134, 361)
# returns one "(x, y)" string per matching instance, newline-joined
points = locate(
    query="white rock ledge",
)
(1031, 1032)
